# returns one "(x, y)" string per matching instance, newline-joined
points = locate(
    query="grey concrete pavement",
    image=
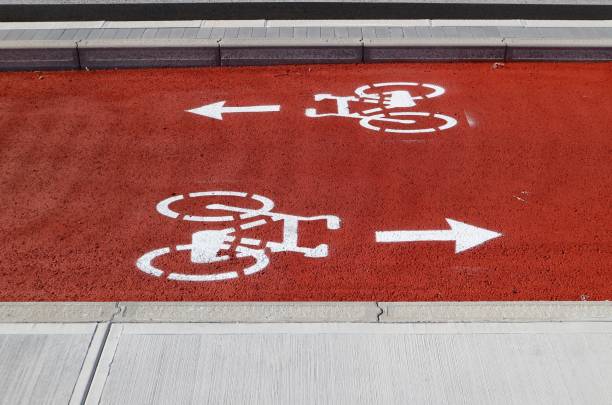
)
(356, 364)
(48, 363)
(334, 363)
(306, 352)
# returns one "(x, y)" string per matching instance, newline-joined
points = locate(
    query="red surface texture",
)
(85, 157)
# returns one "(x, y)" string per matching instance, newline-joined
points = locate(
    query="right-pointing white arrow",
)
(465, 236)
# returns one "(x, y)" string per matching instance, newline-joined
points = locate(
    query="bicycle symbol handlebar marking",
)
(207, 245)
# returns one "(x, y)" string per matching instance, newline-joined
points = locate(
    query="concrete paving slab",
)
(50, 25)
(204, 33)
(13, 35)
(190, 33)
(356, 363)
(153, 24)
(234, 23)
(41, 363)
(566, 23)
(348, 23)
(476, 23)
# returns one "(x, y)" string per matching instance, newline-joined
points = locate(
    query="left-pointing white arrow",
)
(216, 110)
(465, 236)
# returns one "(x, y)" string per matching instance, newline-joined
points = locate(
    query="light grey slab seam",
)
(103, 367)
(88, 369)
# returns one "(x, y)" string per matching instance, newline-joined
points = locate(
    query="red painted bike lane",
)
(378, 182)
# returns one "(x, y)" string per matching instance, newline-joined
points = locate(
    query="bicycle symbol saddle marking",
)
(381, 118)
(215, 245)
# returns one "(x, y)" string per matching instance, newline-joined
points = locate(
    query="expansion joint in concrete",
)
(381, 311)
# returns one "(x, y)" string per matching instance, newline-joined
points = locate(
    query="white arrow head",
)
(469, 236)
(214, 110)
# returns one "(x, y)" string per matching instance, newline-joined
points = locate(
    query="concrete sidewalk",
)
(334, 363)
(137, 44)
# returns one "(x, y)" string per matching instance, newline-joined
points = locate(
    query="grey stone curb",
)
(248, 312)
(38, 55)
(57, 311)
(133, 54)
(236, 52)
(98, 54)
(434, 50)
(528, 311)
(523, 49)
(258, 312)
(227, 43)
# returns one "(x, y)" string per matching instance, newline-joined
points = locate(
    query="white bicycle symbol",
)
(378, 118)
(207, 245)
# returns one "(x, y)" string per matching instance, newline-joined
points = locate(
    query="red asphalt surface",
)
(86, 156)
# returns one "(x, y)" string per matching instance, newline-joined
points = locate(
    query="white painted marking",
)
(198, 218)
(366, 122)
(163, 207)
(218, 193)
(203, 277)
(216, 110)
(207, 245)
(450, 121)
(465, 236)
(144, 263)
(398, 99)
(261, 259)
(377, 119)
(249, 241)
(253, 224)
(436, 90)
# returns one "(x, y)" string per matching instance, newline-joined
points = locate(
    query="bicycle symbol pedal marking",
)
(393, 112)
(218, 245)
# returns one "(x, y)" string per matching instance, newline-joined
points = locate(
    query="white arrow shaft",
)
(414, 236)
(254, 108)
